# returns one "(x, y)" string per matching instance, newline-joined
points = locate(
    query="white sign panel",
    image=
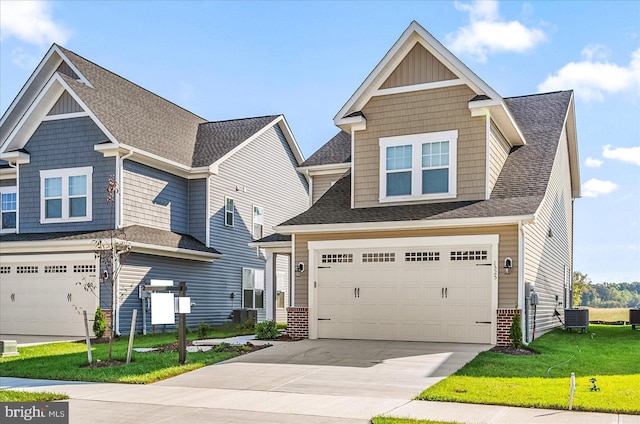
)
(162, 308)
(183, 305)
(162, 283)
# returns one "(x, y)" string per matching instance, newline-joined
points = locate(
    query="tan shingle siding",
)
(415, 113)
(322, 183)
(499, 151)
(508, 247)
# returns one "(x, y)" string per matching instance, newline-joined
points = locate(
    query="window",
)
(252, 288)
(418, 166)
(66, 195)
(228, 211)
(258, 222)
(281, 286)
(8, 209)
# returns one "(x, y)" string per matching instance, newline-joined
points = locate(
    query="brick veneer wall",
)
(298, 322)
(505, 318)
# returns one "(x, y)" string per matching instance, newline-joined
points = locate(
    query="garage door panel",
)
(420, 299)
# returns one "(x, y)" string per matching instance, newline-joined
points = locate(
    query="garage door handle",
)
(68, 297)
(483, 264)
(355, 291)
(442, 293)
(358, 291)
(13, 297)
(324, 319)
(446, 292)
(483, 322)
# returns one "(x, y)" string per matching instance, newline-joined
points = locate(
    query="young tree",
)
(581, 283)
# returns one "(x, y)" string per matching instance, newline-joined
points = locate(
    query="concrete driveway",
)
(379, 369)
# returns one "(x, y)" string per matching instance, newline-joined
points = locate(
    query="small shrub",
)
(203, 330)
(222, 347)
(515, 332)
(266, 330)
(99, 324)
(282, 326)
(248, 326)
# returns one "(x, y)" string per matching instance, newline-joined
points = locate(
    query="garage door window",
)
(8, 207)
(379, 257)
(422, 256)
(66, 195)
(469, 255)
(27, 269)
(252, 288)
(335, 258)
(55, 269)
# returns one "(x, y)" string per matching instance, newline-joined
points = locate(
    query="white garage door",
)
(441, 294)
(44, 295)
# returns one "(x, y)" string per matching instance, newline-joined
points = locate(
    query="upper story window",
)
(65, 195)
(228, 211)
(418, 166)
(8, 209)
(258, 222)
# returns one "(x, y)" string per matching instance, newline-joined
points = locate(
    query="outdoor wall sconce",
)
(508, 264)
(299, 269)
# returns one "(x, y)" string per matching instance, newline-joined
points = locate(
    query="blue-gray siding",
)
(201, 287)
(198, 209)
(266, 168)
(65, 143)
(65, 104)
(8, 183)
(154, 198)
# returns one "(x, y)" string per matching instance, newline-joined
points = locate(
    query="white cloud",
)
(31, 22)
(488, 33)
(593, 163)
(625, 154)
(595, 188)
(594, 76)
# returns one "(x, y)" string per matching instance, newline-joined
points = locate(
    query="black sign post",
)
(182, 319)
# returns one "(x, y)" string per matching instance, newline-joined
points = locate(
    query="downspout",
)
(521, 285)
(119, 223)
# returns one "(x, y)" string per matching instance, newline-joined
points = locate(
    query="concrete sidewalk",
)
(153, 403)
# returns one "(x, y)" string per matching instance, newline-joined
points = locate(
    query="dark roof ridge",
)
(538, 94)
(65, 50)
(241, 119)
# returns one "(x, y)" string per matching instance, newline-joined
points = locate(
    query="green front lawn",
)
(609, 315)
(67, 361)
(390, 420)
(610, 354)
(18, 396)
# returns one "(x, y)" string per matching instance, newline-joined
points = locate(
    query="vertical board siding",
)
(322, 183)
(508, 247)
(283, 265)
(65, 143)
(65, 104)
(198, 209)
(418, 67)
(547, 256)
(65, 69)
(264, 174)
(420, 112)
(201, 288)
(499, 150)
(154, 198)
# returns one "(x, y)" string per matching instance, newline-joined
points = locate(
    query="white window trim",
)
(253, 221)
(232, 211)
(416, 141)
(65, 174)
(253, 300)
(8, 190)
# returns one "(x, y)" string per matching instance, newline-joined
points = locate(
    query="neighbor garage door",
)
(441, 294)
(45, 294)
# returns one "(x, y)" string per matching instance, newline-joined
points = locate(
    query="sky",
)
(225, 60)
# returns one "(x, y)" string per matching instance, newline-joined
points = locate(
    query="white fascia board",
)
(501, 116)
(572, 140)
(332, 168)
(81, 77)
(381, 72)
(8, 174)
(155, 161)
(46, 62)
(174, 252)
(353, 123)
(271, 245)
(288, 134)
(418, 87)
(403, 225)
(214, 167)
(16, 157)
(65, 116)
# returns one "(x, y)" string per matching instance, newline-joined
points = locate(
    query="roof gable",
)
(335, 151)
(418, 67)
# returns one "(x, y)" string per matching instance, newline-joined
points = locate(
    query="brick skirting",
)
(298, 322)
(505, 318)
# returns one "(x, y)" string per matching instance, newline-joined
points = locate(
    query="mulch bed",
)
(510, 350)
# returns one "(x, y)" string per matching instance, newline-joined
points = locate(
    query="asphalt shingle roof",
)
(337, 150)
(216, 139)
(519, 189)
(274, 238)
(133, 233)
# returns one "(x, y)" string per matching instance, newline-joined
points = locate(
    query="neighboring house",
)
(437, 208)
(192, 195)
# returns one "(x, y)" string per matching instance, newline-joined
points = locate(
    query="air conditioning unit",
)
(634, 317)
(576, 318)
(241, 315)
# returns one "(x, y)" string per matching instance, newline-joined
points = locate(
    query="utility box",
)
(634, 318)
(576, 318)
(241, 315)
